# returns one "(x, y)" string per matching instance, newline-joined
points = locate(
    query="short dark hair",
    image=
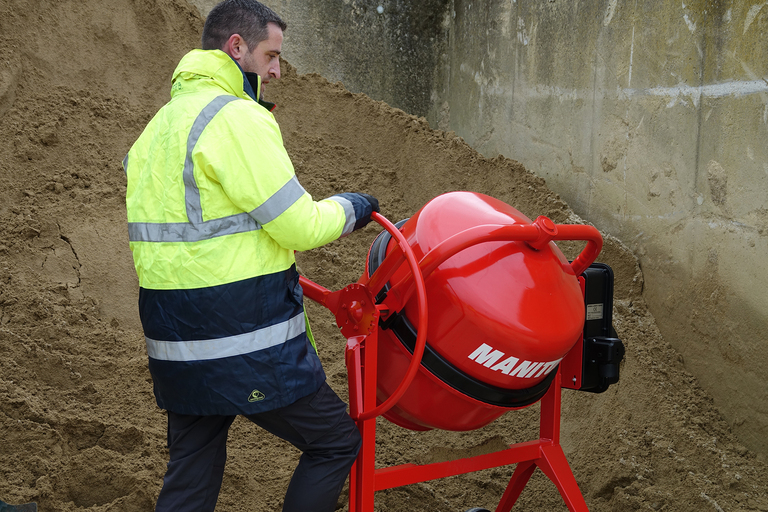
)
(248, 18)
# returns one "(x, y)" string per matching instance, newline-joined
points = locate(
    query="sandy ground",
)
(79, 426)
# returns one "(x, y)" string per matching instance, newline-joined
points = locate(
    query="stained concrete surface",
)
(388, 50)
(650, 118)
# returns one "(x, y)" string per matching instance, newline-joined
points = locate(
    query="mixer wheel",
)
(478, 509)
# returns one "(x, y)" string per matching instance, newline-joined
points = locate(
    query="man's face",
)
(264, 59)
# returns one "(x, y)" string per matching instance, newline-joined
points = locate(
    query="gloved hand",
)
(374, 202)
(369, 205)
(358, 208)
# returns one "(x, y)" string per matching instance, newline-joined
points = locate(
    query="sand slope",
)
(79, 426)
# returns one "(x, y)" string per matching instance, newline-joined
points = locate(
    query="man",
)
(215, 214)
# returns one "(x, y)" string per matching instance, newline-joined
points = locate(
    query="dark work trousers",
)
(317, 424)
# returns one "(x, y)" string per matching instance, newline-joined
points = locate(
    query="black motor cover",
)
(603, 351)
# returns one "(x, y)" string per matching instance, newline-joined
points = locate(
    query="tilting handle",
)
(537, 235)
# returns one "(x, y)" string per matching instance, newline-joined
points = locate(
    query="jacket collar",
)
(200, 69)
(254, 80)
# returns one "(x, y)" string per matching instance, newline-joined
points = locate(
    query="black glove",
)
(363, 206)
(367, 204)
(374, 202)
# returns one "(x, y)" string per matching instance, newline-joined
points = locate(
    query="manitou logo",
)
(487, 356)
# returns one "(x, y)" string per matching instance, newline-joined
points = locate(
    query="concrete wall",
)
(389, 50)
(649, 117)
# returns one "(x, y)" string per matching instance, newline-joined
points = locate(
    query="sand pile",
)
(78, 423)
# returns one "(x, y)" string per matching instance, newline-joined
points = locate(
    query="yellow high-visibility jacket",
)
(215, 213)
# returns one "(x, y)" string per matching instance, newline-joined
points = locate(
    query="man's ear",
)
(235, 47)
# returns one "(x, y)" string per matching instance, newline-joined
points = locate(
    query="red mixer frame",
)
(357, 315)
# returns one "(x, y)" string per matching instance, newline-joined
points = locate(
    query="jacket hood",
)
(200, 69)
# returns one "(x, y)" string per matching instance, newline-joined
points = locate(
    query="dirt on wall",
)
(79, 426)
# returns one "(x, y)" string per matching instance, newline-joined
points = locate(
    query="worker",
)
(215, 213)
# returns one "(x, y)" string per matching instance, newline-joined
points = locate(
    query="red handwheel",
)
(376, 283)
(357, 316)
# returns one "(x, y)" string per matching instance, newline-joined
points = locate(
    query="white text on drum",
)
(492, 358)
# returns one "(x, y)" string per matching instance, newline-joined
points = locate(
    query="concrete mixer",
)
(466, 311)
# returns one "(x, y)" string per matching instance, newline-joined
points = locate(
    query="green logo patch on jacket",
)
(256, 396)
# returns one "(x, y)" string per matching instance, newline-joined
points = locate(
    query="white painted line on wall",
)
(677, 92)
(684, 215)
(713, 224)
(721, 90)
(675, 216)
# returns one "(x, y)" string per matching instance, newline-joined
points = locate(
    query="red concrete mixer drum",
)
(502, 315)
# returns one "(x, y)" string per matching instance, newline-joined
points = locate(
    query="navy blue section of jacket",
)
(248, 384)
(244, 384)
(221, 311)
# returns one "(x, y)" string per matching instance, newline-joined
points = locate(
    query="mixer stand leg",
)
(361, 478)
(553, 464)
(517, 483)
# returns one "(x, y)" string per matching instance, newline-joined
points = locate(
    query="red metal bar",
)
(367, 426)
(314, 291)
(549, 415)
(536, 235)
(354, 361)
(554, 464)
(405, 474)
(551, 459)
(517, 483)
(590, 251)
(544, 453)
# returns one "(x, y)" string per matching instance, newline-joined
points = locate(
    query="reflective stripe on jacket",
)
(215, 213)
